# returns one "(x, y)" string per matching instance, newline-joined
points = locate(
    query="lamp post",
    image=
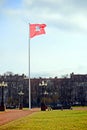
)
(2, 85)
(20, 99)
(43, 85)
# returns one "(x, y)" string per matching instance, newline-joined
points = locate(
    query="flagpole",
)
(29, 72)
(35, 32)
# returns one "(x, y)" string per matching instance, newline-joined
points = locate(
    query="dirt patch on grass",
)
(10, 115)
(79, 108)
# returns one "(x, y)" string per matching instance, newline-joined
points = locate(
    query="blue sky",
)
(61, 51)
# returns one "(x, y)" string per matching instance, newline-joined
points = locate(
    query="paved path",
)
(10, 115)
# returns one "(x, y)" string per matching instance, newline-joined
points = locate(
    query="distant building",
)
(64, 90)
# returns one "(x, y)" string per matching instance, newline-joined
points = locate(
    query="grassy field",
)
(51, 120)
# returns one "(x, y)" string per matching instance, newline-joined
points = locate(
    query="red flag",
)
(37, 29)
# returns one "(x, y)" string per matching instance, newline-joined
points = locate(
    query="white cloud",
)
(65, 14)
(64, 51)
(62, 14)
(80, 20)
(12, 12)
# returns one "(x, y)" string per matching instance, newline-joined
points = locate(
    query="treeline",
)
(64, 90)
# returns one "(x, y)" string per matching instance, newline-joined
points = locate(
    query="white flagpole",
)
(29, 72)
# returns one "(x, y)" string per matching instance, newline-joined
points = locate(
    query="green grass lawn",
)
(51, 120)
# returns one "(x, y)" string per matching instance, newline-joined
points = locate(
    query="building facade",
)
(65, 90)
